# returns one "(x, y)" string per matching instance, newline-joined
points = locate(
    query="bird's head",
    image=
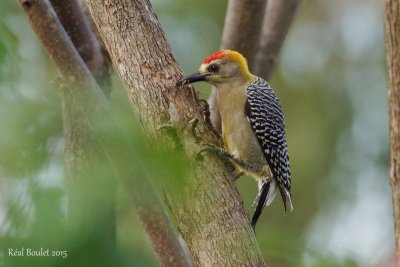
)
(221, 67)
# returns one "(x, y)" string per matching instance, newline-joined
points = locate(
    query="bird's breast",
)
(240, 140)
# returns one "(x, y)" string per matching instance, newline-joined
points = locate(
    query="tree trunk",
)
(392, 26)
(95, 153)
(211, 219)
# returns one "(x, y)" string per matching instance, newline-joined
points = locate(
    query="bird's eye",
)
(213, 68)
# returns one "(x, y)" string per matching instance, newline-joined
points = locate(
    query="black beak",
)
(195, 77)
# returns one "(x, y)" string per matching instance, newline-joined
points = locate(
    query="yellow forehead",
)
(234, 56)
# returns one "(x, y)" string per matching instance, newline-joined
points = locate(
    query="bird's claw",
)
(218, 151)
(214, 149)
(206, 148)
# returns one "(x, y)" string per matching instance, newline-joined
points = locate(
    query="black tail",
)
(260, 205)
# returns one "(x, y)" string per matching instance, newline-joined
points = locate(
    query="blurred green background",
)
(331, 82)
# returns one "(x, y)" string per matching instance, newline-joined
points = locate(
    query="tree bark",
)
(211, 219)
(92, 151)
(95, 31)
(392, 24)
(277, 20)
(78, 27)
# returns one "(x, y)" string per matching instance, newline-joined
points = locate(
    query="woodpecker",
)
(253, 128)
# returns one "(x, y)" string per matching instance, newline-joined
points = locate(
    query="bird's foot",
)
(211, 148)
(219, 151)
(225, 156)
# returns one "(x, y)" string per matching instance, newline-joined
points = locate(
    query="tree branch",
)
(95, 31)
(277, 21)
(242, 30)
(211, 218)
(77, 25)
(60, 48)
(392, 23)
(78, 138)
(242, 27)
(86, 110)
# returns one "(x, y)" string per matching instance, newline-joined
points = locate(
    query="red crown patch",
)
(216, 55)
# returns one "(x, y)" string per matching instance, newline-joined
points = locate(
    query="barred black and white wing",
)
(264, 112)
